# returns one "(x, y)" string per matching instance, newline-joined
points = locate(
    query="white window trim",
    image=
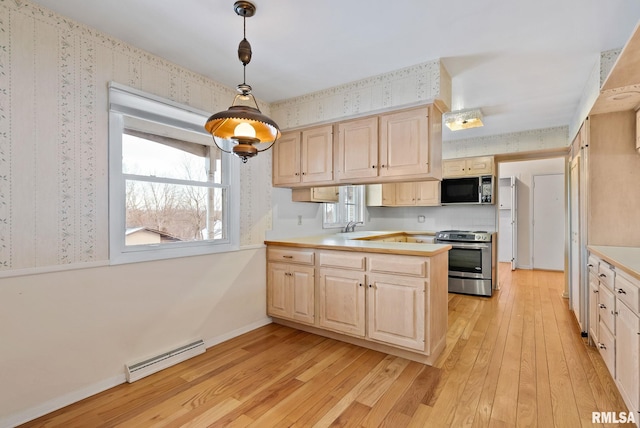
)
(127, 101)
(341, 221)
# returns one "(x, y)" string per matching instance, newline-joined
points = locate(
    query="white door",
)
(514, 222)
(548, 222)
(575, 298)
(507, 233)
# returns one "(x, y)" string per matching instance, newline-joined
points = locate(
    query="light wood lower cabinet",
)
(342, 302)
(393, 303)
(291, 286)
(397, 310)
(614, 326)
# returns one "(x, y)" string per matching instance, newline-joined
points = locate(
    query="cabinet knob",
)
(602, 275)
(382, 166)
(373, 166)
(601, 346)
(359, 285)
(288, 257)
(602, 306)
(595, 291)
(297, 173)
(589, 265)
(370, 286)
(621, 291)
(304, 173)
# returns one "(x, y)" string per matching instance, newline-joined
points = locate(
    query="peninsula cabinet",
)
(291, 284)
(304, 158)
(388, 302)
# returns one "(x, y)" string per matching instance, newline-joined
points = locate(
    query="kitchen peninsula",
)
(364, 288)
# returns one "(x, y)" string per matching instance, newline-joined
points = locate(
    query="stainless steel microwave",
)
(467, 190)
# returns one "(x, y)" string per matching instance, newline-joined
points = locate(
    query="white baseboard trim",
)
(60, 402)
(75, 396)
(208, 343)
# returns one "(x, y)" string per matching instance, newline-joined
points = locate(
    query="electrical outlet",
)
(299, 220)
(421, 219)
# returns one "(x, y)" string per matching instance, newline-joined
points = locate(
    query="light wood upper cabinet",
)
(304, 158)
(316, 194)
(427, 193)
(404, 143)
(405, 194)
(358, 149)
(483, 165)
(420, 193)
(286, 159)
(400, 146)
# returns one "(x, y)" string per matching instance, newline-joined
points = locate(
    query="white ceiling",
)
(525, 64)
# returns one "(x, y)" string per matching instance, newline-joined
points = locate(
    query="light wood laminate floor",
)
(516, 359)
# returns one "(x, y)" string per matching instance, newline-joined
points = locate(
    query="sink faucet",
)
(351, 226)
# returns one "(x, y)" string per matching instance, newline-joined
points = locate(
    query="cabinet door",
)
(404, 143)
(342, 301)
(358, 149)
(286, 159)
(302, 290)
(388, 194)
(594, 319)
(479, 166)
(428, 193)
(405, 194)
(396, 310)
(278, 297)
(607, 347)
(317, 154)
(325, 194)
(453, 168)
(628, 355)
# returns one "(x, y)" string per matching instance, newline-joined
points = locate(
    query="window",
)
(171, 191)
(349, 208)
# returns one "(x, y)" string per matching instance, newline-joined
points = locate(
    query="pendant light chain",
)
(244, 36)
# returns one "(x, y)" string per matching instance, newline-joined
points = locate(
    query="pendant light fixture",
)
(242, 129)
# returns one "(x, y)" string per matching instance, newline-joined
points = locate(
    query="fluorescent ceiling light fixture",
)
(463, 119)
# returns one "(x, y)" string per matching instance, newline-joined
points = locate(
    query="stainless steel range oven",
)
(471, 264)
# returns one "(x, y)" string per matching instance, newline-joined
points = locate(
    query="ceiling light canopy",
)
(463, 119)
(242, 129)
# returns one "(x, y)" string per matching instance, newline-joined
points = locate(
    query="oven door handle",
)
(470, 246)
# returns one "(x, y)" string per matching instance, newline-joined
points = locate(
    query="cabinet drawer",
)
(399, 265)
(606, 346)
(592, 264)
(291, 255)
(606, 307)
(342, 259)
(606, 275)
(627, 291)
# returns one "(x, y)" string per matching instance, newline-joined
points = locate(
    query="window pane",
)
(144, 157)
(330, 213)
(163, 213)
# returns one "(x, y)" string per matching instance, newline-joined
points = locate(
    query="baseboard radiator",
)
(144, 368)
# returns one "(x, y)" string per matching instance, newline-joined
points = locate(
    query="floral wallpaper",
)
(54, 74)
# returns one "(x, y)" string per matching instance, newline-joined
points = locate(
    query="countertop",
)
(625, 258)
(350, 242)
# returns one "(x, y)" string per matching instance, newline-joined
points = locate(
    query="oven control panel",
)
(463, 236)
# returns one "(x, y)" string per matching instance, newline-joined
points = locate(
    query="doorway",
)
(524, 238)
